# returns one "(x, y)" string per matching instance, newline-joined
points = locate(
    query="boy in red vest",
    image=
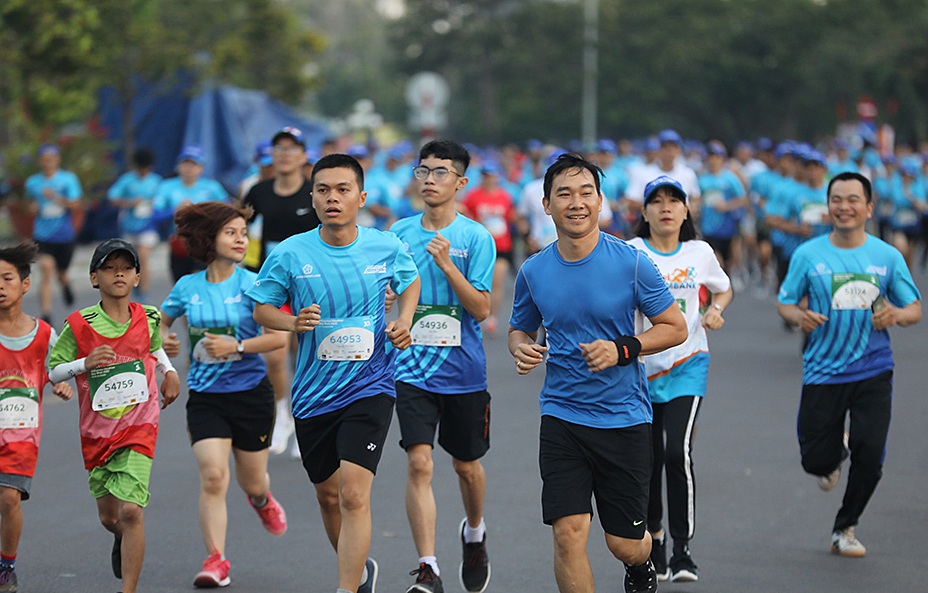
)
(112, 350)
(24, 346)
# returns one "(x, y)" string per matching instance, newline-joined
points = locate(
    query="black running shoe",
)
(116, 556)
(475, 568)
(659, 557)
(641, 578)
(370, 584)
(682, 567)
(68, 294)
(426, 580)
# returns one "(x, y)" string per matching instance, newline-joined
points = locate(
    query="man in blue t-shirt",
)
(595, 408)
(55, 194)
(335, 278)
(857, 287)
(442, 377)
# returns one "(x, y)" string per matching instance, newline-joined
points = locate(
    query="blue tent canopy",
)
(227, 122)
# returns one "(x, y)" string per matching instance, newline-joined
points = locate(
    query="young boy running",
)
(442, 377)
(112, 349)
(24, 346)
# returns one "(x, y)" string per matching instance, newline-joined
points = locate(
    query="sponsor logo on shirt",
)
(307, 270)
(681, 278)
(457, 252)
(380, 268)
(302, 211)
(232, 300)
(821, 269)
(878, 270)
(195, 299)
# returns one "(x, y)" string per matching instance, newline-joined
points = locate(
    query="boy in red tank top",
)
(112, 350)
(24, 346)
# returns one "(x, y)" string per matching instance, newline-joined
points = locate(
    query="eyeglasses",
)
(438, 173)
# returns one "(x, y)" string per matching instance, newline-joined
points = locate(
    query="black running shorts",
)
(464, 420)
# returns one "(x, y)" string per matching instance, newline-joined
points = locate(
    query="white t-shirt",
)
(639, 177)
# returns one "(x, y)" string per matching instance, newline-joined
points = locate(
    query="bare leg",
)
(571, 564)
(420, 500)
(472, 481)
(11, 520)
(213, 463)
(127, 520)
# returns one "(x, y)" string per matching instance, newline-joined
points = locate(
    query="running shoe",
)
(682, 567)
(8, 580)
(475, 567)
(845, 543)
(370, 583)
(828, 483)
(283, 430)
(641, 578)
(215, 573)
(426, 580)
(68, 294)
(272, 515)
(116, 557)
(659, 557)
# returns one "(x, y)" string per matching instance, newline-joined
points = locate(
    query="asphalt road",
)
(763, 525)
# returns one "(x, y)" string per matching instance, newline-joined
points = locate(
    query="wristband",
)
(717, 308)
(628, 348)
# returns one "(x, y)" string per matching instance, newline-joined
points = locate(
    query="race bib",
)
(854, 291)
(906, 217)
(117, 385)
(345, 339)
(713, 198)
(814, 213)
(496, 225)
(52, 210)
(198, 343)
(436, 325)
(19, 407)
(142, 210)
(682, 304)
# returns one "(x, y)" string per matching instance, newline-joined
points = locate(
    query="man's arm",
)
(525, 351)
(806, 319)
(398, 330)
(272, 317)
(476, 302)
(891, 315)
(668, 329)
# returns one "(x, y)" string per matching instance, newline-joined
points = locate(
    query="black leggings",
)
(677, 420)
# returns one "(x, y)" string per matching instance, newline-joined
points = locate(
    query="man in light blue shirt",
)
(857, 287)
(335, 278)
(55, 195)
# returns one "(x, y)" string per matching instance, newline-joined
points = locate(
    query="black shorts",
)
(612, 464)
(464, 418)
(246, 417)
(356, 433)
(60, 252)
(506, 255)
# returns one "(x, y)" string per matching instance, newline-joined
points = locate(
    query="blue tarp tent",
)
(226, 121)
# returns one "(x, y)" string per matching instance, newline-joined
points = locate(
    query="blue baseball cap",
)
(289, 132)
(909, 169)
(193, 153)
(606, 145)
(652, 145)
(358, 151)
(764, 144)
(534, 144)
(48, 149)
(663, 181)
(555, 153)
(263, 153)
(668, 135)
(814, 156)
(717, 148)
(490, 168)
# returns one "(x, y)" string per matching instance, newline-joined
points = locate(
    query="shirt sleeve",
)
(405, 271)
(118, 190)
(716, 279)
(525, 314)
(175, 305)
(482, 261)
(272, 287)
(65, 348)
(154, 326)
(901, 290)
(796, 284)
(653, 295)
(73, 190)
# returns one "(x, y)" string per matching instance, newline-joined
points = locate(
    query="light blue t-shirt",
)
(842, 285)
(582, 301)
(349, 284)
(218, 306)
(130, 186)
(172, 193)
(53, 223)
(811, 207)
(718, 188)
(781, 202)
(448, 369)
(906, 215)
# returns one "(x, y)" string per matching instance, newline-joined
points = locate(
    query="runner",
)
(335, 278)
(723, 203)
(596, 414)
(189, 187)
(442, 377)
(677, 377)
(55, 194)
(857, 287)
(24, 346)
(285, 205)
(134, 193)
(231, 403)
(112, 349)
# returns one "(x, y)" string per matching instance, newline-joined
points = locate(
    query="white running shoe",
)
(845, 543)
(283, 430)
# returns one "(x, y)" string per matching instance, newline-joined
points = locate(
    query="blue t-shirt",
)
(716, 189)
(172, 193)
(582, 301)
(448, 369)
(842, 285)
(781, 202)
(53, 223)
(349, 284)
(130, 186)
(906, 215)
(811, 207)
(217, 306)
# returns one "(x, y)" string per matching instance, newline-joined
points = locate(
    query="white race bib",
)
(19, 407)
(52, 210)
(117, 385)
(142, 210)
(436, 325)
(345, 339)
(814, 213)
(198, 344)
(854, 291)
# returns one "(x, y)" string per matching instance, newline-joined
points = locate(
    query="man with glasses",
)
(442, 377)
(285, 203)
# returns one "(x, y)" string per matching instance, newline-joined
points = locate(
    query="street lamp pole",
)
(590, 70)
